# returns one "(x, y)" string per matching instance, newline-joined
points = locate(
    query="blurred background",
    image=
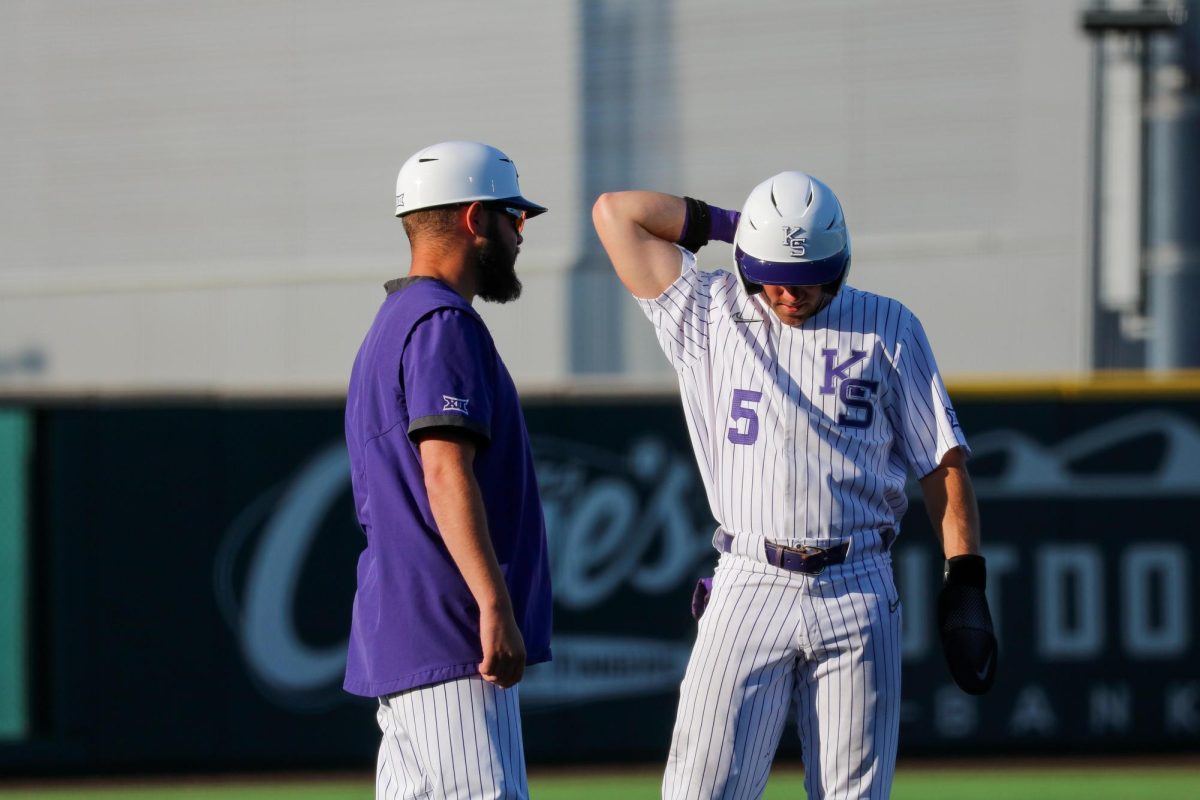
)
(198, 223)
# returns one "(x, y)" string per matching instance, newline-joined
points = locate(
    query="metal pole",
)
(1172, 116)
(1170, 244)
(1099, 355)
(629, 141)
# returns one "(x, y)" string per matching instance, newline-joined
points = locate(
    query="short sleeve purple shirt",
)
(428, 361)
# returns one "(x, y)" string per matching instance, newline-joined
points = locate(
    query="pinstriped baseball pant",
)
(830, 644)
(458, 739)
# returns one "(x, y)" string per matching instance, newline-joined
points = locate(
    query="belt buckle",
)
(807, 553)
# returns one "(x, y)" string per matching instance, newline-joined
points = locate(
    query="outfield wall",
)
(188, 572)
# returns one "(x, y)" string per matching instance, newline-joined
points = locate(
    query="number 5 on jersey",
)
(743, 408)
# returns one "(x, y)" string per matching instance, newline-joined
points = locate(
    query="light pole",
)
(1169, 209)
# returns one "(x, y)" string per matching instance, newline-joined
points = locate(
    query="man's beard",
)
(497, 272)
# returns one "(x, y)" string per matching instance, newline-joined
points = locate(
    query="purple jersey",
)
(428, 361)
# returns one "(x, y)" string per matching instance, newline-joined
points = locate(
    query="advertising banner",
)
(201, 569)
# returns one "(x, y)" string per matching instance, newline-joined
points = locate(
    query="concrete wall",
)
(199, 196)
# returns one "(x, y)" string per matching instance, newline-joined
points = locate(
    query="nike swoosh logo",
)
(893, 606)
(982, 673)
(740, 318)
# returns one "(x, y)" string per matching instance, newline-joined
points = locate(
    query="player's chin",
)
(790, 317)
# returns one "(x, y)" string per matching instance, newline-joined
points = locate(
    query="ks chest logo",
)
(855, 393)
(857, 396)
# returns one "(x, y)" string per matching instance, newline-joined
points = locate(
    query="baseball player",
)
(453, 596)
(807, 401)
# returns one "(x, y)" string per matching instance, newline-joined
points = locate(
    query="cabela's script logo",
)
(634, 519)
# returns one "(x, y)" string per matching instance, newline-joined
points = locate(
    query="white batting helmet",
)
(792, 232)
(459, 172)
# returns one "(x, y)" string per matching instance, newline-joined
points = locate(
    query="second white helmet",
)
(459, 172)
(792, 232)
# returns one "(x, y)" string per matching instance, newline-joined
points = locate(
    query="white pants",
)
(830, 644)
(459, 739)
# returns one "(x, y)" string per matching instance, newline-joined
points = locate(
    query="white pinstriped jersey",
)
(805, 432)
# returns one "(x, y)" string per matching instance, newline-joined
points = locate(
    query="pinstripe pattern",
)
(803, 435)
(459, 739)
(825, 479)
(830, 644)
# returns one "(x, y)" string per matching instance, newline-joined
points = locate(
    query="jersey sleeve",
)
(681, 313)
(927, 425)
(447, 369)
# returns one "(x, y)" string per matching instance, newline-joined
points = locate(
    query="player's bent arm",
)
(950, 501)
(638, 230)
(457, 506)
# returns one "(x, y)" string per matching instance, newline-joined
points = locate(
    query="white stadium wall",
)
(199, 196)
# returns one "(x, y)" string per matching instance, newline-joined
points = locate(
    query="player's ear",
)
(473, 216)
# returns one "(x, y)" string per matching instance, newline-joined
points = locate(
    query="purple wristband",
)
(723, 223)
(703, 223)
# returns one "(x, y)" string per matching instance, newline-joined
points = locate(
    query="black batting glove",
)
(965, 625)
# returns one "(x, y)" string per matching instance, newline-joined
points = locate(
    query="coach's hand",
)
(503, 648)
(965, 625)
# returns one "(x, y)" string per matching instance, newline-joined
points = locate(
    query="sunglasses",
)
(517, 214)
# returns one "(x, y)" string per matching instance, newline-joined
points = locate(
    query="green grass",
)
(1101, 783)
(924, 784)
(1024, 783)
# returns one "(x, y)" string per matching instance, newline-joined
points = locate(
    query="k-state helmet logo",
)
(400, 200)
(795, 239)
